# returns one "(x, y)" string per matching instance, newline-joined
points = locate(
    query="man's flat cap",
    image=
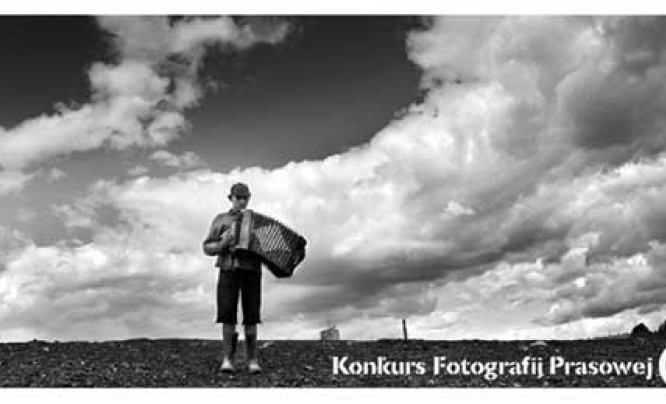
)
(239, 189)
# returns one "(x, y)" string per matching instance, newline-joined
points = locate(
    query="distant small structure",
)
(330, 334)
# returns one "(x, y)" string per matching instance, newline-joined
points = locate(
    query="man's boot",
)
(251, 345)
(230, 342)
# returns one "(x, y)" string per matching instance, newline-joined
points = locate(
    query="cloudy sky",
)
(483, 177)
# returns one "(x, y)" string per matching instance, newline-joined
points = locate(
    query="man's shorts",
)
(229, 284)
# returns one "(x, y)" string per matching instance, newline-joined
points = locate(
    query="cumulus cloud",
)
(138, 99)
(603, 290)
(95, 291)
(138, 170)
(528, 183)
(612, 326)
(74, 217)
(55, 174)
(189, 159)
(10, 241)
(12, 181)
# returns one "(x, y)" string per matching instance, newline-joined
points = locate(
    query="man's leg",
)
(227, 306)
(230, 340)
(251, 345)
(251, 302)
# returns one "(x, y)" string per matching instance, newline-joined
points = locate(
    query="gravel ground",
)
(288, 363)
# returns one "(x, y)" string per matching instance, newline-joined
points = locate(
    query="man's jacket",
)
(226, 259)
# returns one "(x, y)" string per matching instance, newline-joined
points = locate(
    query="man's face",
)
(239, 202)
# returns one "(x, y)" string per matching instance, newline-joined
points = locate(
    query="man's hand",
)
(227, 237)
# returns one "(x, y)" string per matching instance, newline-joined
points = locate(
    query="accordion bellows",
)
(280, 248)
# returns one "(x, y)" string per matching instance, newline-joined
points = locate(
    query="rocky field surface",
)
(287, 363)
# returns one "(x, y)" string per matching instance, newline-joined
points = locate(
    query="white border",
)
(326, 395)
(295, 7)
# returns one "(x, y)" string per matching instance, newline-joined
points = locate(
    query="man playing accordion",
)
(237, 273)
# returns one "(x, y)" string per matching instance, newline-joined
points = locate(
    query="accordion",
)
(280, 248)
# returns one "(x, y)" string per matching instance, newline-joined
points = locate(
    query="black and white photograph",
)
(332, 201)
